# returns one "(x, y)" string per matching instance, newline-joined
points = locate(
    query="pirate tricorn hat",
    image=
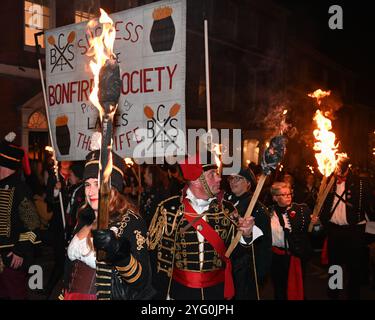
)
(92, 164)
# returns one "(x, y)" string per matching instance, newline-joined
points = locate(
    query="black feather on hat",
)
(11, 155)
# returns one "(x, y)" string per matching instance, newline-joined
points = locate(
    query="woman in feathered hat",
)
(125, 274)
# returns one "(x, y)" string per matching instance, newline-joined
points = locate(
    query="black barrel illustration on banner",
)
(62, 134)
(163, 30)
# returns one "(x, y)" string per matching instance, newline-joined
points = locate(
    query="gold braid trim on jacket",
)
(28, 214)
(159, 224)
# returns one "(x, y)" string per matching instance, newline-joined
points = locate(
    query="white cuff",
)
(256, 234)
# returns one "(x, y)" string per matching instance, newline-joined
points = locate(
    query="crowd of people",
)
(170, 228)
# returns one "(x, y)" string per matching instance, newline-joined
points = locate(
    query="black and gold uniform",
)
(125, 271)
(19, 223)
(19, 220)
(129, 276)
(184, 258)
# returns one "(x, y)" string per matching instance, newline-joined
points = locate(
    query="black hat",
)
(118, 169)
(11, 155)
(78, 167)
(249, 175)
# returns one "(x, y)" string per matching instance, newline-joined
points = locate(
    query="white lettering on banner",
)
(150, 47)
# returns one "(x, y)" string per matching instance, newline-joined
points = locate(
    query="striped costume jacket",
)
(129, 279)
(19, 220)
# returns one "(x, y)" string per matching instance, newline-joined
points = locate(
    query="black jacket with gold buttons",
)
(178, 246)
(19, 220)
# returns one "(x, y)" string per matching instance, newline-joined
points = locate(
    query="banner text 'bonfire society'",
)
(150, 47)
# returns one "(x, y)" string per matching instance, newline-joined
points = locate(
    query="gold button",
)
(199, 227)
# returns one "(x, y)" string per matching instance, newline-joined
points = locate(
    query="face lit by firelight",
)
(213, 180)
(92, 193)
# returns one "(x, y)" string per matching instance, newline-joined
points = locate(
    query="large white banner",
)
(150, 47)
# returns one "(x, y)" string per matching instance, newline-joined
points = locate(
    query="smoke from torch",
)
(276, 120)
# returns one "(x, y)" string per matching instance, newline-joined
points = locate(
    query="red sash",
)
(198, 279)
(79, 296)
(324, 254)
(295, 279)
(216, 242)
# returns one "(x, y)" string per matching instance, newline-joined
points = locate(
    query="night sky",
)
(351, 47)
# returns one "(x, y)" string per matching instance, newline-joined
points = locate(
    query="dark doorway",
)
(37, 142)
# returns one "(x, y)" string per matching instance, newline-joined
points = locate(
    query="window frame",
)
(78, 5)
(52, 24)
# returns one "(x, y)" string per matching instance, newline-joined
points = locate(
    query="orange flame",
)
(325, 145)
(283, 125)
(311, 168)
(101, 48)
(49, 149)
(217, 152)
(319, 95)
(129, 162)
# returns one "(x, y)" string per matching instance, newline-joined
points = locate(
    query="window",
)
(37, 121)
(85, 10)
(39, 16)
(250, 151)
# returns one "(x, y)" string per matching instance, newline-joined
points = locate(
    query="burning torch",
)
(105, 96)
(327, 159)
(272, 156)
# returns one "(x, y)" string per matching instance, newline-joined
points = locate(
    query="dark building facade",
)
(256, 64)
